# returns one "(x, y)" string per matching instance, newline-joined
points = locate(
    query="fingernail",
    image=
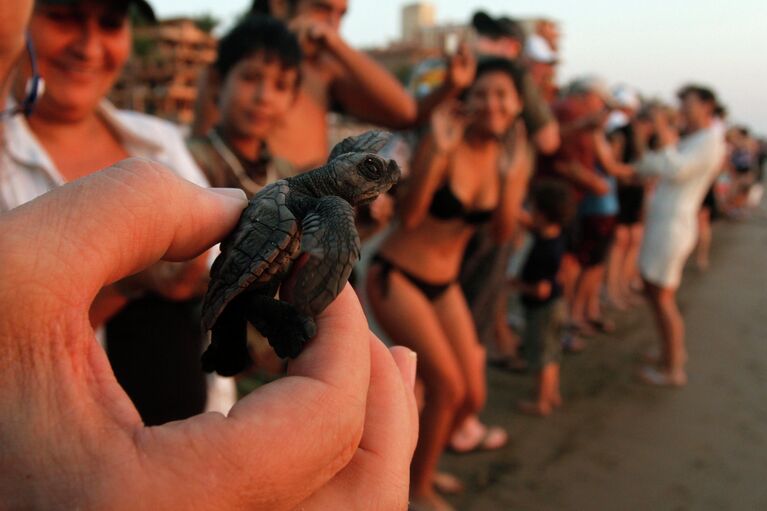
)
(407, 362)
(235, 193)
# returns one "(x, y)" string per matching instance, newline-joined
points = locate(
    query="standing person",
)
(74, 131)
(622, 270)
(462, 177)
(542, 62)
(685, 169)
(545, 311)
(581, 114)
(333, 74)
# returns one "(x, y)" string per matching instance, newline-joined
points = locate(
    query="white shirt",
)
(26, 170)
(686, 171)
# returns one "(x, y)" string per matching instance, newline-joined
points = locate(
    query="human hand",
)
(313, 35)
(543, 290)
(461, 68)
(448, 122)
(171, 280)
(72, 438)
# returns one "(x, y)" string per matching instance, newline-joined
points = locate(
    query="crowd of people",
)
(598, 193)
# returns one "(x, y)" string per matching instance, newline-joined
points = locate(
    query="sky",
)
(654, 45)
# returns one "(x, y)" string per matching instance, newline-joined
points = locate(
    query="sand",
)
(619, 445)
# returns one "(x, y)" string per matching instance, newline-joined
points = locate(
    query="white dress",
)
(685, 173)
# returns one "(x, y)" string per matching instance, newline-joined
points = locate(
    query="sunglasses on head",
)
(33, 90)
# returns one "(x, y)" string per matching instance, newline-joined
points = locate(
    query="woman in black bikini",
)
(470, 169)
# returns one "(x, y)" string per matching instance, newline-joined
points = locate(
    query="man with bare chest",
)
(333, 76)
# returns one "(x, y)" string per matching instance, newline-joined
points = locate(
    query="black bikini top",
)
(446, 206)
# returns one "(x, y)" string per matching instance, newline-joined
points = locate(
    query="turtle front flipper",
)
(284, 327)
(228, 353)
(330, 240)
(368, 142)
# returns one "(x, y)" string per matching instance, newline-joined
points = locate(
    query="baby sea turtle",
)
(298, 232)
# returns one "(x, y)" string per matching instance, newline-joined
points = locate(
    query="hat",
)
(538, 49)
(488, 26)
(626, 97)
(595, 84)
(143, 8)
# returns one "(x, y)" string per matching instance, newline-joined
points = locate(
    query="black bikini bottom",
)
(430, 291)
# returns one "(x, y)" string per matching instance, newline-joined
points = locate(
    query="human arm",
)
(76, 440)
(362, 86)
(540, 290)
(606, 157)
(515, 168)
(679, 162)
(461, 69)
(431, 162)
(540, 121)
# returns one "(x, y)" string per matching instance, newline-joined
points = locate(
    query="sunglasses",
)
(34, 88)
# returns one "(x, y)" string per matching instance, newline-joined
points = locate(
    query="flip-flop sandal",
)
(493, 438)
(602, 325)
(653, 376)
(448, 484)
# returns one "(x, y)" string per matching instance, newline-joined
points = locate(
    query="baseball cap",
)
(595, 84)
(537, 49)
(143, 8)
(626, 97)
(494, 28)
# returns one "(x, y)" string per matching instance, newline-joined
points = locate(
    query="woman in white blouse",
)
(82, 47)
(685, 169)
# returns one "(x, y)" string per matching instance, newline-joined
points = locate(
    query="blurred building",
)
(416, 17)
(162, 75)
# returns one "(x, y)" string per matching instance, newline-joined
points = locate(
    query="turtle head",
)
(361, 177)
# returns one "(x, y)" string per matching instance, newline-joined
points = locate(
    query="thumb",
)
(113, 223)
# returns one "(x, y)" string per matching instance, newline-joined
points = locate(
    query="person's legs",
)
(671, 326)
(631, 262)
(704, 238)
(410, 320)
(457, 323)
(593, 299)
(615, 264)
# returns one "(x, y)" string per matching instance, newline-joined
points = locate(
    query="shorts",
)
(596, 237)
(544, 326)
(631, 201)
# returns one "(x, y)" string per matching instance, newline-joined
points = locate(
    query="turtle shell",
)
(259, 250)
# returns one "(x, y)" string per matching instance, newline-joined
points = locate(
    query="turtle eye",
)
(372, 168)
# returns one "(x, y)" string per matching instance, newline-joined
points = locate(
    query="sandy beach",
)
(619, 445)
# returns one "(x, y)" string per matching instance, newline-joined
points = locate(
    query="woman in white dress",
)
(685, 169)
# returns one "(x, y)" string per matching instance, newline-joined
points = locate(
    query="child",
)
(542, 294)
(257, 80)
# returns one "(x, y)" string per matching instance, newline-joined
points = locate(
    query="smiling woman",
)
(82, 46)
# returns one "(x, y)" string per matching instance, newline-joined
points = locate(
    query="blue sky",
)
(655, 45)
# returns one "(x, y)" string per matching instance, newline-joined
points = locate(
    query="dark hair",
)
(262, 6)
(502, 65)
(552, 199)
(702, 93)
(254, 34)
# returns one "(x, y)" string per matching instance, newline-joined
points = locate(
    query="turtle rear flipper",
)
(330, 240)
(284, 327)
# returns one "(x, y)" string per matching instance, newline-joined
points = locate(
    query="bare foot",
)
(429, 502)
(448, 484)
(535, 408)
